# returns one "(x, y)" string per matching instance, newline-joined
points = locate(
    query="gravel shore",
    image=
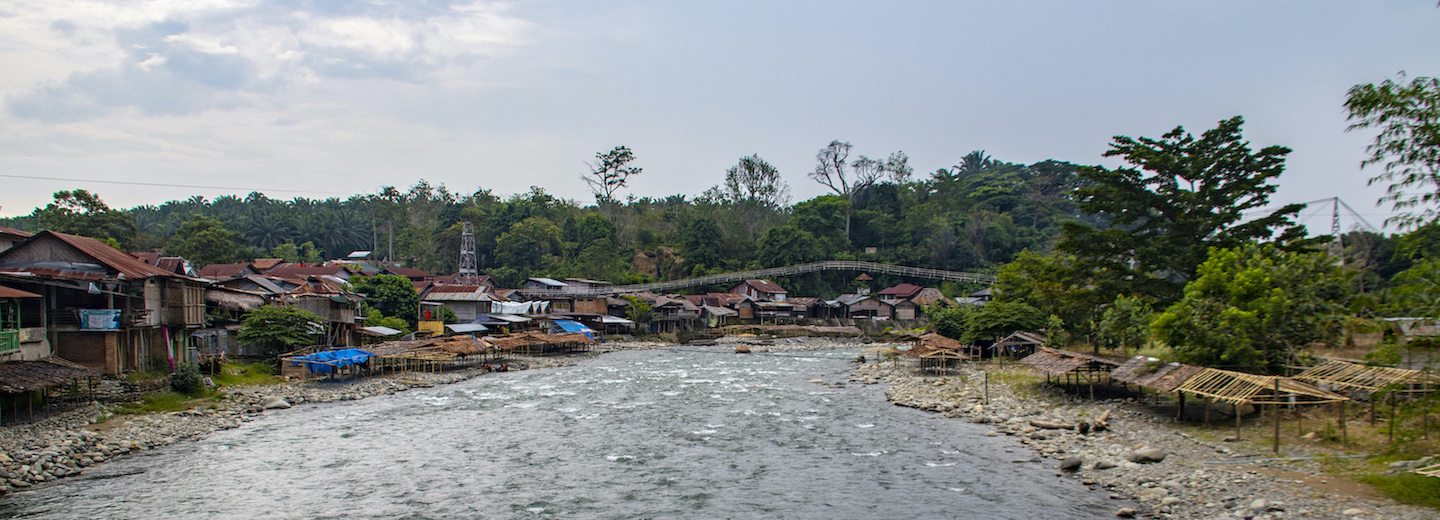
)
(1181, 485)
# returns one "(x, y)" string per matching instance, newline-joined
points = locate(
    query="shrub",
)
(187, 379)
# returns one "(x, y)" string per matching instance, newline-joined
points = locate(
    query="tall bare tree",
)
(610, 171)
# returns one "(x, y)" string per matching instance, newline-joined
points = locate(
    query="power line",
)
(166, 185)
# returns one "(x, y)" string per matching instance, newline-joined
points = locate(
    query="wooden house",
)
(760, 290)
(9, 237)
(104, 308)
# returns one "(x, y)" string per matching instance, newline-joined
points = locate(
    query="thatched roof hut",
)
(1154, 374)
(26, 376)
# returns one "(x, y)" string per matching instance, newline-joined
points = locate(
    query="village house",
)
(760, 290)
(101, 307)
(11, 236)
(466, 301)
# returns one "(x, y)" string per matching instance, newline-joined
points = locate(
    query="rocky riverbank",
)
(1180, 485)
(1119, 459)
(66, 444)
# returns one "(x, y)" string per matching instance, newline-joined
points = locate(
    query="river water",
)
(667, 433)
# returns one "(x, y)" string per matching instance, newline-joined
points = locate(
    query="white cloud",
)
(78, 59)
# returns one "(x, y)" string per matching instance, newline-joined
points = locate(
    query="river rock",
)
(274, 402)
(1146, 455)
(1354, 511)
(1070, 464)
(1104, 464)
(1126, 512)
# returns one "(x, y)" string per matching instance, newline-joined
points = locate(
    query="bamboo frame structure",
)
(1429, 471)
(1342, 375)
(1238, 388)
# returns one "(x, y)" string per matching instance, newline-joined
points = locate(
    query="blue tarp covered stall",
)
(327, 362)
(571, 326)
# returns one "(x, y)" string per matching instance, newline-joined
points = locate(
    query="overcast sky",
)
(333, 97)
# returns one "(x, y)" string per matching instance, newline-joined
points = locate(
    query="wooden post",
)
(1208, 402)
(1237, 421)
(1392, 417)
(1344, 435)
(1275, 410)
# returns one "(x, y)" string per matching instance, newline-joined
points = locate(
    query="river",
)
(665, 433)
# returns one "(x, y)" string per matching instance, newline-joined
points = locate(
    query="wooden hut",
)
(1075, 367)
(1019, 343)
(23, 381)
(1149, 372)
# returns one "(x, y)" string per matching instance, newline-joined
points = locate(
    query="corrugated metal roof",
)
(904, 290)
(766, 286)
(7, 292)
(113, 259)
(15, 232)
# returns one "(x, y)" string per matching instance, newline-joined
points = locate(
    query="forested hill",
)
(969, 217)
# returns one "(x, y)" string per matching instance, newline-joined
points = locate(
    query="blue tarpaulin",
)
(328, 361)
(574, 326)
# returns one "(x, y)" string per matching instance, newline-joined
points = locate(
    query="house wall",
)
(92, 349)
(870, 307)
(590, 305)
(906, 310)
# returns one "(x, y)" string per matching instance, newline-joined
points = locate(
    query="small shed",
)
(1082, 368)
(1019, 343)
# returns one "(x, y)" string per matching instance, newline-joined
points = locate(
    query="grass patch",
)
(1408, 488)
(157, 403)
(244, 374)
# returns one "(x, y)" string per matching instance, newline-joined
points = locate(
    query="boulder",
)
(1104, 464)
(274, 402)
(1146, 455)
(1126, 512)
(742, 349)
(1070, 464)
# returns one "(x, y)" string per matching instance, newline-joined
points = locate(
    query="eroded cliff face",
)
(661, 263)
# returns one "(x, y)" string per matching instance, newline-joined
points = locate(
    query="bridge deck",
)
(789, 270)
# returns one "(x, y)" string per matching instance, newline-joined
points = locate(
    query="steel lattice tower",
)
(469, 275)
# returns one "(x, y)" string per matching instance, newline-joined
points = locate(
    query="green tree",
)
(1408, 143)
(374, 318)
(1416, 291)
(277, 330)
(527, 243)
(702, 243)
(305, 253)
(1179, 197)
(80, 212)
(787, 245)
(204, 241)
(948, 321)
(1057, 285)
(1125, 324)
(997, 319)
(393, 295)
(638, 311)
(1255, 305)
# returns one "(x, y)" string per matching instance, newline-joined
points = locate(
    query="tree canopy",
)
(1255, 305)
(277, 329)
(1179, 197)
(1407, 144)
